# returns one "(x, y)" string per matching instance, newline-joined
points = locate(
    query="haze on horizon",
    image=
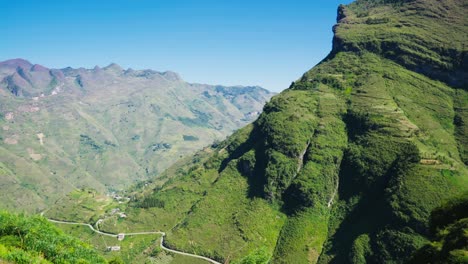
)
(263, 43)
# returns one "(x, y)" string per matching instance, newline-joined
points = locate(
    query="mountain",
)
(106, 128)
(347, 164)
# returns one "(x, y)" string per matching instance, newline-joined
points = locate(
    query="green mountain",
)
(106, 128)
(347, 164)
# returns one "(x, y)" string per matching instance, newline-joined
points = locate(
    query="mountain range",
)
(106, 128)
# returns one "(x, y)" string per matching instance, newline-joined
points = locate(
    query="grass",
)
(302, 237)
(84, 206)
(35, 240)
(133, 249)
(449, 227)
(413, 34)
(212, 224)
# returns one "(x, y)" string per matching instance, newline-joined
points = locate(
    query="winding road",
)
(83, 224)
(136, 234)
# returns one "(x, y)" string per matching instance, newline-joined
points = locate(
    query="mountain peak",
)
(114, 67)
(15, 63)
(172, 76)
(39, 68)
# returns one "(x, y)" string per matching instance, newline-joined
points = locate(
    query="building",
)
(113, 248)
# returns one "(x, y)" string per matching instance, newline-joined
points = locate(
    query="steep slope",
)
(449, 230)
(108, 128)
(346, 165)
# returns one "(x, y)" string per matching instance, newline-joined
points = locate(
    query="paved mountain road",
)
(137, 234)
(83, 224)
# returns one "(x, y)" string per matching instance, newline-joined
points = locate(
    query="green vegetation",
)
(201, 119)
(411, 33)
(133, 249)
(87, 142)
(449, 228)
(84, 206)
(260, 256)
(34, 240)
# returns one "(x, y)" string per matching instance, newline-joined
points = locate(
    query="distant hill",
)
(105, 128)
(347, 164)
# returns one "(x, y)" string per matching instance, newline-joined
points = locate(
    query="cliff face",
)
(346, 165)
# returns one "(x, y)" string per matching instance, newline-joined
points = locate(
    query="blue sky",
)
(266, 43)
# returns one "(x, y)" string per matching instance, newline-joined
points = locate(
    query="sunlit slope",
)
(346, 165)
(35, 240)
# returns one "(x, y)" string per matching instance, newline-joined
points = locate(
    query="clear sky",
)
(229, 42)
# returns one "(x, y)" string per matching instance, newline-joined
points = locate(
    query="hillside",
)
(449, 234)
(106, 128)
(347, 164)
(35, 240)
